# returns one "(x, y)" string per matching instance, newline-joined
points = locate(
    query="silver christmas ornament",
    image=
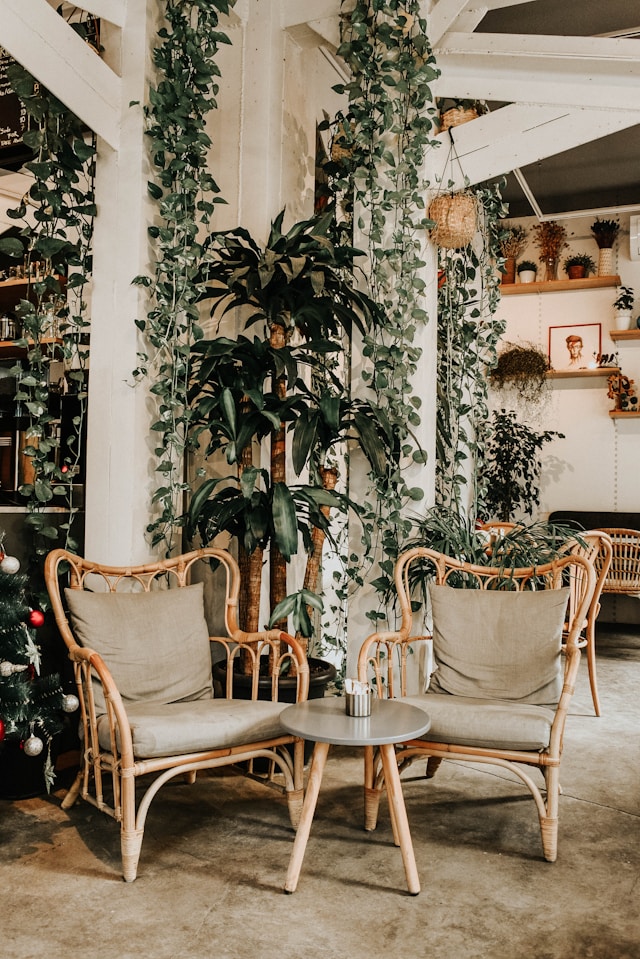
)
(10, 564)
(33, 746)
(70, 703)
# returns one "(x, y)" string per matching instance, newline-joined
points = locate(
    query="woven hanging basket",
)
(456, 219)
(457, 115)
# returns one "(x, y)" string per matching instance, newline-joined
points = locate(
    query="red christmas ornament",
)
(1, 730)
(35, 618)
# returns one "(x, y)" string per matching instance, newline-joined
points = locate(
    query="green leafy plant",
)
(299, 297)
(512, 466)
(186, 194)
(523, 367)
(580, 259)
(527, 266)
(386, 131)
(55, 229)
(625, 299)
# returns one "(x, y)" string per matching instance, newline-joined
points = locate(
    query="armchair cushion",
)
(493, 724)
(498, 644)
(155, 644)
(186, 727)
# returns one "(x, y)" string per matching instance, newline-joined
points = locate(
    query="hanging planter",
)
(456, 219)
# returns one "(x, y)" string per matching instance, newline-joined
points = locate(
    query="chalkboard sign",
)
(13, 120)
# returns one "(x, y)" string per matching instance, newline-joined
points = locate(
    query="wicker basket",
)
(457, 115)
(456, 219)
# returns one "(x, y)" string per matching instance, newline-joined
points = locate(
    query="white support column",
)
(119, 466)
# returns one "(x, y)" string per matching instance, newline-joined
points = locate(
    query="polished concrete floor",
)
(215, 855)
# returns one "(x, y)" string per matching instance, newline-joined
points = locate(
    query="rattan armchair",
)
(502, 687)
(142, 654)
(623, 577)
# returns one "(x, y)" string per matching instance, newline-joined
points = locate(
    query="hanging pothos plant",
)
(383, 136)
(185, 191)
(54, 231)
(468, 335)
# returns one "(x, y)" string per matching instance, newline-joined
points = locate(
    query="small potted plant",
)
(527, 270)
(579, 265)
(605, 233)
(513, 240)
(623, 304)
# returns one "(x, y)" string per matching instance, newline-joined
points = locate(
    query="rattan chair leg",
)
(74, 792)
(130, 844)
(371, 807)
(295, 799)
(591, 663)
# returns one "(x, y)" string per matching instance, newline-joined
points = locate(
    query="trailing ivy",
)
(383, 136)
(186, 194)
(54, 232)
(468, 335)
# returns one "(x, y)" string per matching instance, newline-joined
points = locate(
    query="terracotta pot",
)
(509, 275)
(575, 272)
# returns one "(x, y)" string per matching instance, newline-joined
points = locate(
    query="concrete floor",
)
(215, 855)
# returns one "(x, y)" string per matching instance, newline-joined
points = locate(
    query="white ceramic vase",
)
(623, 320)
(527, 276)
(605, 261)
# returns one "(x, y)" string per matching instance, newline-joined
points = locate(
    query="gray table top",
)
(325, 720)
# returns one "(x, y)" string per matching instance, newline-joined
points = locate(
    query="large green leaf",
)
(285, 527)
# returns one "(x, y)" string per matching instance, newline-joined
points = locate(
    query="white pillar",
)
(120, 477)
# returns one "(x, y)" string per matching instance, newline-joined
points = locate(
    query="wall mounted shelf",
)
(570, 374)
(559, 286)
(9, 349)
(623, 414)
(625, 334)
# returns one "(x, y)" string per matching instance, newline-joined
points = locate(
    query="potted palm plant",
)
(278, 385)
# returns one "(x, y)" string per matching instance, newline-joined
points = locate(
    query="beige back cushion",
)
(498, 645)
(156, 645)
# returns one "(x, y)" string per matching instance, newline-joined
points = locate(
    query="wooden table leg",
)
(399, 815)
(318, 760)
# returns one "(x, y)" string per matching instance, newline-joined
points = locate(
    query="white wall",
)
(597, 465)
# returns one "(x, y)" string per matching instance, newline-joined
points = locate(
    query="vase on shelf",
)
(509, 275)
(623, 320)
(605, 261)
(551, 268)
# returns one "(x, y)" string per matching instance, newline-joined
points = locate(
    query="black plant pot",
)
(321, 674)
(22, 776)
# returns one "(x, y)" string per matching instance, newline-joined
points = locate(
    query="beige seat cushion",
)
(179, 728)
(483, 722)
(498, 645)
(156, 645)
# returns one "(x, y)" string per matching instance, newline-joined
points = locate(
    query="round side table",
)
(325, 721)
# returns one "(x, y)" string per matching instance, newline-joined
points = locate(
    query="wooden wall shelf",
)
(570, 374)
(624, 334)
(623, 414)
(559, 286)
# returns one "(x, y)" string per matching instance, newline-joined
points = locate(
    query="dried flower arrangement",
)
(605, 233)
(513, 240)
(550, 238)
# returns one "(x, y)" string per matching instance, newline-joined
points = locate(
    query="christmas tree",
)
(31, 704)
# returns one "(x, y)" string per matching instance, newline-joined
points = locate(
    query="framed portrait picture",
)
(576, 347)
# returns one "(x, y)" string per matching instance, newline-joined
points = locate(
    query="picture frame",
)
(575, 348)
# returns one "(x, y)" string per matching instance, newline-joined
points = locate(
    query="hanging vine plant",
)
(468, 334)
(186, 194)
(523, 367)
(383, 137)
(54, 224)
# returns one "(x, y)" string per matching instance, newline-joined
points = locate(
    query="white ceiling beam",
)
(443, 16)
(581, 71)
(48, 48)
(518, 135)
(111, 10)
(296, 12)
